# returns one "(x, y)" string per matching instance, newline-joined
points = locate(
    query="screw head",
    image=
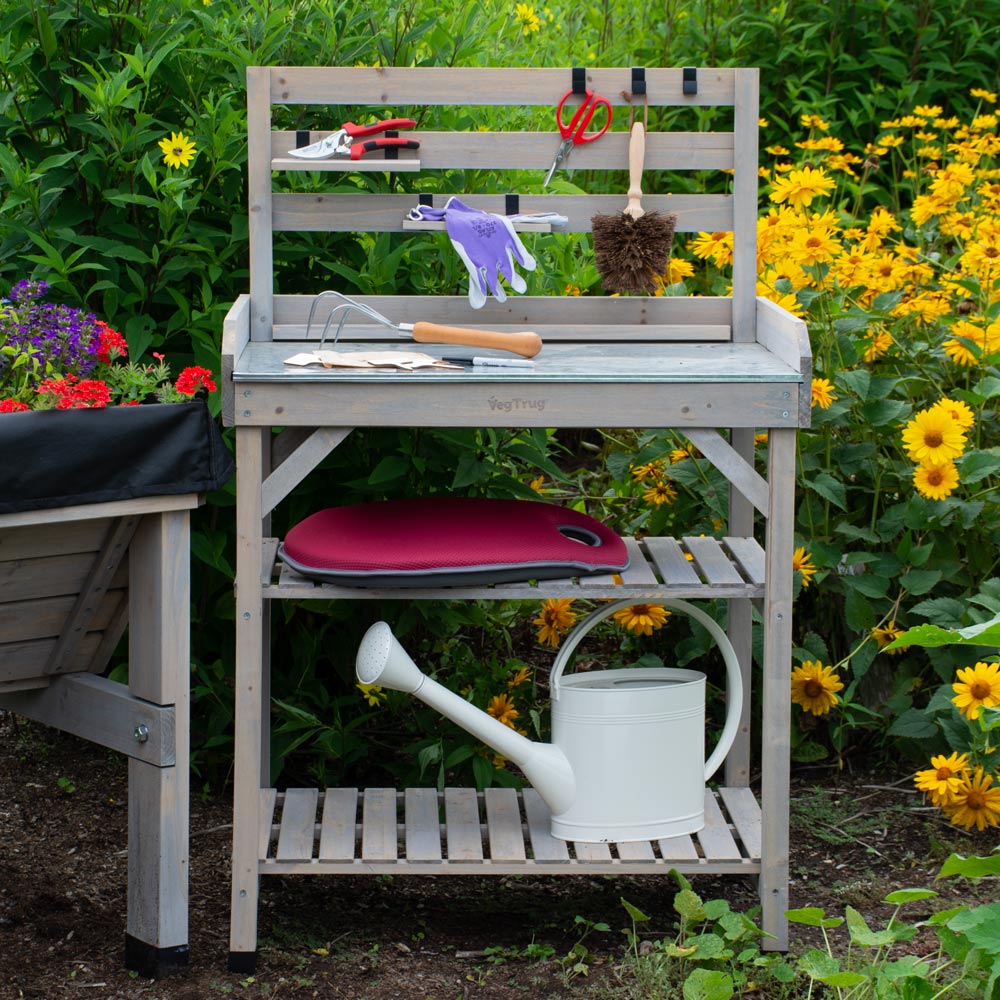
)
(141, 733)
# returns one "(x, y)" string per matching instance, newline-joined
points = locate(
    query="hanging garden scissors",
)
(575, 131)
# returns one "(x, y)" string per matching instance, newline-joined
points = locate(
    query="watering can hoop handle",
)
(734, 676)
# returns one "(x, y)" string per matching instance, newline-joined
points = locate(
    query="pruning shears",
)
(342, 142)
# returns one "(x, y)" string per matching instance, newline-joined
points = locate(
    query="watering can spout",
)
(382, 660)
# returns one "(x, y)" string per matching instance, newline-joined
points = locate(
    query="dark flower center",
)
(813, 688)
(933, 439)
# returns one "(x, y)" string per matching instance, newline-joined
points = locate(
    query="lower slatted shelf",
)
(462, 831)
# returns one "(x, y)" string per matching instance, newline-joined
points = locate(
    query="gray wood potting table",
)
(716, 369)
(71, 580)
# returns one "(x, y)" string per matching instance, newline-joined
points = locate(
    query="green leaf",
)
(909, 895)
(879, 412)
(857, 381)
(688, 904)
(708, 984)
(981, 925)
(813, 916)
(634, 912)
(818, 964)
(982, 634)
(868, 584)
(391, 467)
(843, 979)
(858, 611)
(977, 465)
(920, 581)
(829, 489)
(970, 867)
(914, 724)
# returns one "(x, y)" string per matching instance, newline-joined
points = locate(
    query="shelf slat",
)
(659, 569)
(501, 831)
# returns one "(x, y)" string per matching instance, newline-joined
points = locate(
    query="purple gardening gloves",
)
(488, 246)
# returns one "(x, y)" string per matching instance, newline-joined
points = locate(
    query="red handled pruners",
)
(575, 131)
(343, 141)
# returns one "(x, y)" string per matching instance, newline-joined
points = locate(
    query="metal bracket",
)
(690, 86)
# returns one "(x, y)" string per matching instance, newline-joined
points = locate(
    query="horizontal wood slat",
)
(405, 86)
(44, 618)
(659, 568)
(28, 659)
(384, 213)
(463, 831)
(39, 540)
(526, 151)
(293, 310)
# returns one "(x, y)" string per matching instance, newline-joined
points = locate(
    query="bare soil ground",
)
(63, 895)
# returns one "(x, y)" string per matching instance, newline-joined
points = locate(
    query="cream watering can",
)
(627, 758)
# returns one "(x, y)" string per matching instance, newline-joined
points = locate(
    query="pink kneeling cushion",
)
(450, 541)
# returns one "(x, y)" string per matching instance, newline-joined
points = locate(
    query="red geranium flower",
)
(77, 394)
(111, 340)
(192, 379)
(12, 406)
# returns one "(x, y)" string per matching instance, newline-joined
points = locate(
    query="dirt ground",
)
(63, 820)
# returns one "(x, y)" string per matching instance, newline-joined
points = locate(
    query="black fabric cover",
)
(61, 458)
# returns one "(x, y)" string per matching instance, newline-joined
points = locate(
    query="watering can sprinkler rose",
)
(626, 762)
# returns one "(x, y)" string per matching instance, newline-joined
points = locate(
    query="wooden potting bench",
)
(718, 369)
(71, 580)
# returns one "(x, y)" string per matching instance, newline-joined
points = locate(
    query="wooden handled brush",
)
(632, 249)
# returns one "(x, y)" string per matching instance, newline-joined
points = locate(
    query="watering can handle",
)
(734, 676)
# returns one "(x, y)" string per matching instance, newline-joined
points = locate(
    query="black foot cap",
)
(152, 962)
(243, 961)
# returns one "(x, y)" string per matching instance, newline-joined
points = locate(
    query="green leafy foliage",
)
(88, 93)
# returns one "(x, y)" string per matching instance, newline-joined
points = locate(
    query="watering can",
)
(627, 760)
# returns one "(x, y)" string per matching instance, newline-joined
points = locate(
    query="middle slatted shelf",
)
(462, 831)
(731, 567)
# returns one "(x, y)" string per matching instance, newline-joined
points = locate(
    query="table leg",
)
(156, 940)
(250, 707)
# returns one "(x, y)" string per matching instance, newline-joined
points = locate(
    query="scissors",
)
(575, 132)
(342, 142)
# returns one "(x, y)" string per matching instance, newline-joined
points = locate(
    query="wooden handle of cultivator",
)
(525, 343)
(636, 156)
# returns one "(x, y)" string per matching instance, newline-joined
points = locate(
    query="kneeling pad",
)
(450, 541)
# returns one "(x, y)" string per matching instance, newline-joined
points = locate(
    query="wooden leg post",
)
(250, 707)
(776, 720)
(156, 940)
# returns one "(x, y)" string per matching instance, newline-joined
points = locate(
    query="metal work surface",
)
(616, 363)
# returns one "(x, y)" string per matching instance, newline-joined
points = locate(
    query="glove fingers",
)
(516, 280)
(520, 252)
(477, 277)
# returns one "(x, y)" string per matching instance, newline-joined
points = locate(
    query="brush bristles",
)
(631, 254)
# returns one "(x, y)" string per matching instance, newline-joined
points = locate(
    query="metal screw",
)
(249, 392)
(246, 616)
(246, 413)
(141, 733)
(784, 413)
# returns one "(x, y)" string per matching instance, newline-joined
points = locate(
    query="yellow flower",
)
(802, 563)
(943, 779)
(984, 95)
(801, 186)
(502, 709)
(976, 804)
(814, 121)
(960, 412)
(933, 437)
(372, 693)
(815, 687)
(967, 337)
(817, 246)
(677, 270)
(888, 634)
(660, 492)
(718, 246)
(642, 618)
(555, 618)
(178, 150)
(880, 343)
(822, 393)
(526, 17)
(935, 481)
(521, 676)
(651, 470)
(537, 483)
(977, 687)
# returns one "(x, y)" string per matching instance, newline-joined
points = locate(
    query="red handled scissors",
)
(575, 132)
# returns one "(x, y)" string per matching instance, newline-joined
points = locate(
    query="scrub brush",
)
(632, 249)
